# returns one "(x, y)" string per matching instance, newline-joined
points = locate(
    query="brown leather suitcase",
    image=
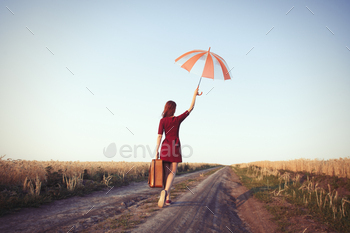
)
(155, 175)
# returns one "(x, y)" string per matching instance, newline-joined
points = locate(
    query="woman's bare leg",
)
(171, 176)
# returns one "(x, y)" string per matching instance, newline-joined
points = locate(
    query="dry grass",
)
(333, 167)
(14, 172)
(30, 172)
(324, 202)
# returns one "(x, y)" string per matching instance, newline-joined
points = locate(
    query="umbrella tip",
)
(209, 49)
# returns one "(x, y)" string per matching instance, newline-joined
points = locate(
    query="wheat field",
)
(17, 172)
(332, 167)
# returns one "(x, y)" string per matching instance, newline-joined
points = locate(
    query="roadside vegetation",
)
(332, 167)
(303, 194)
(26, 183)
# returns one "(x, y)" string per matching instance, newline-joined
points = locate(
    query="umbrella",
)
(204, 63)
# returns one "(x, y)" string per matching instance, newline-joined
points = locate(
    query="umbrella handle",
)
(199, 81)
(198, 91)
(198, 87)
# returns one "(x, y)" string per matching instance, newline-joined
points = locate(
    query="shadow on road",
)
(243, 198)
(186, 203)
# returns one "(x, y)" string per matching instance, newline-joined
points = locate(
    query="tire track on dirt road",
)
(211, 208)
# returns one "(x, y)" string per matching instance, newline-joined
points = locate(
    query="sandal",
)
(168, 202)
(161, 201)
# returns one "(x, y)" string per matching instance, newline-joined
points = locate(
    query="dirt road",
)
(217, 204)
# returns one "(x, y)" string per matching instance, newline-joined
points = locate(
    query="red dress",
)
(171, 147)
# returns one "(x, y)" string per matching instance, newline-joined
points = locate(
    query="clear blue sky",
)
(289, 96)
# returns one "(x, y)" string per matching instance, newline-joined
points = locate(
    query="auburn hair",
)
(169, 109)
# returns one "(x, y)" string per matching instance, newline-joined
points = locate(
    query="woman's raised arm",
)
(194, 99)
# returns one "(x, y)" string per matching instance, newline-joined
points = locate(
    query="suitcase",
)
(155, 174)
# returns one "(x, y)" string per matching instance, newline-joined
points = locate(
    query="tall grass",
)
(323, 203)
(333, 167)
(15, 172)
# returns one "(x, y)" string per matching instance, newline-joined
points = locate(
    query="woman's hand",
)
(194, 99)
(197, 92)
(157, 155)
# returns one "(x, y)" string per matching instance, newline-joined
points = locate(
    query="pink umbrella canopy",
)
(204, 63)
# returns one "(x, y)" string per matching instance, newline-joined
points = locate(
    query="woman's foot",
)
(161, 201)
(167, 200)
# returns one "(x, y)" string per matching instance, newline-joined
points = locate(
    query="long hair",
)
(169, 108)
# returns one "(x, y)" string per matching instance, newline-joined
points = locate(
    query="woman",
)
(171, 147)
